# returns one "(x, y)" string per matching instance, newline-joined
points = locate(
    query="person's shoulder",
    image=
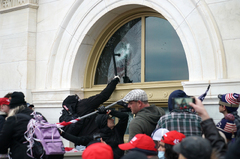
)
(191, 117)
(166, 117)
(159, 109)
(2, 117)
(137, 120)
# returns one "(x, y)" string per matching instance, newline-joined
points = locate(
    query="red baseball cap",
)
(141, 141)
(98, 151)
(4, 101)
(172, 137)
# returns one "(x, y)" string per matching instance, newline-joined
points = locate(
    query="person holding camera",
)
(110, 133)
(181, 118)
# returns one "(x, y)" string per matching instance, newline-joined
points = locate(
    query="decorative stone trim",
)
(13, 5)
(221, 86)
(53, 98)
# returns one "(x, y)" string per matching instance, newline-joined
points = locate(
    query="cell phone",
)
(182, 102)
(97, 137)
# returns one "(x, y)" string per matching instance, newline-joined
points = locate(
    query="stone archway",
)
(76, 37)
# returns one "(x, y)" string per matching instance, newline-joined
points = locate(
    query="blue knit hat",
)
(230, 100)
(182, 94)
(175, 94)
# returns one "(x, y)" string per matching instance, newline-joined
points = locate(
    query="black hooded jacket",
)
(88, 105)
(113, 137)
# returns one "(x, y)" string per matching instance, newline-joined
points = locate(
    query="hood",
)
(151, 114)
(101, 120)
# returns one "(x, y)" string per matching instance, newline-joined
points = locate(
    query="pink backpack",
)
(43, 138)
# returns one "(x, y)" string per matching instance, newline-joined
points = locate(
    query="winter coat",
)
(145, 121)
(113, 137)
(2, 120)
(88, 105)
(12, 135)
(82, 140)
(233, 149)
(211, 133)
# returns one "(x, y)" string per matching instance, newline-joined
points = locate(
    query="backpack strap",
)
(23, 115)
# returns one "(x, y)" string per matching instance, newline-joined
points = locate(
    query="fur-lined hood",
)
(16, 110)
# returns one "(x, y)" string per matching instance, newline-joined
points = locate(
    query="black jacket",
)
(115, 136)
(2, 120)
(233, 148)
(82, 140)
(88, 105)
(12, 135)
(211, 133)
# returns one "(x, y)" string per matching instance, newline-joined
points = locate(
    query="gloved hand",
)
(122, 103)
(102, 110)
(117, 78)
(126, 110)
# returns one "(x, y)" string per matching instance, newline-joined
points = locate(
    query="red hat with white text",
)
(172, 137)
(4, 101)
(142, 143)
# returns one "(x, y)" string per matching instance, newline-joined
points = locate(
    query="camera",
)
(182, 102)
(97, 137)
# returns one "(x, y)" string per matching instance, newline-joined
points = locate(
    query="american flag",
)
(201, 97)
(230, 127)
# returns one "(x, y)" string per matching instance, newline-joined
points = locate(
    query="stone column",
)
(18, 45)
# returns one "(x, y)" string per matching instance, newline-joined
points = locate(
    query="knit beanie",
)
(175, 94)
(17, 99)
(230, 100)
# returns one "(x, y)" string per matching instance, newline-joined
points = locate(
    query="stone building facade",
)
(50, 48)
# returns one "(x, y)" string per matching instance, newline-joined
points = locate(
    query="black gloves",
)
(122, 103)
(102, 110)
(125, 105)
(116, 78)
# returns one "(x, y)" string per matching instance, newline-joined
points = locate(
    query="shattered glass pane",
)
(126, 46)
(165, 58)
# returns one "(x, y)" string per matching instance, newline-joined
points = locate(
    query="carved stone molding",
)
(12, 5)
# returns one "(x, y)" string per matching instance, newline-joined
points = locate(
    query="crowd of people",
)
(186, 132)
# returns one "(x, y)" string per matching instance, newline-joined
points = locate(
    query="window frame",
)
(158, 91)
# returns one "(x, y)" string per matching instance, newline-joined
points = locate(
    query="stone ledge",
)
(15, 8)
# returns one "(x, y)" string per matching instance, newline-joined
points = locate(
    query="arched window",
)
(144, 49)
(148, 55)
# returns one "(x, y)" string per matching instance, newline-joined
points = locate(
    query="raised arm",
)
(95, 101)
(209, 129)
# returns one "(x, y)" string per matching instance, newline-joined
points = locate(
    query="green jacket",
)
(145, 121)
